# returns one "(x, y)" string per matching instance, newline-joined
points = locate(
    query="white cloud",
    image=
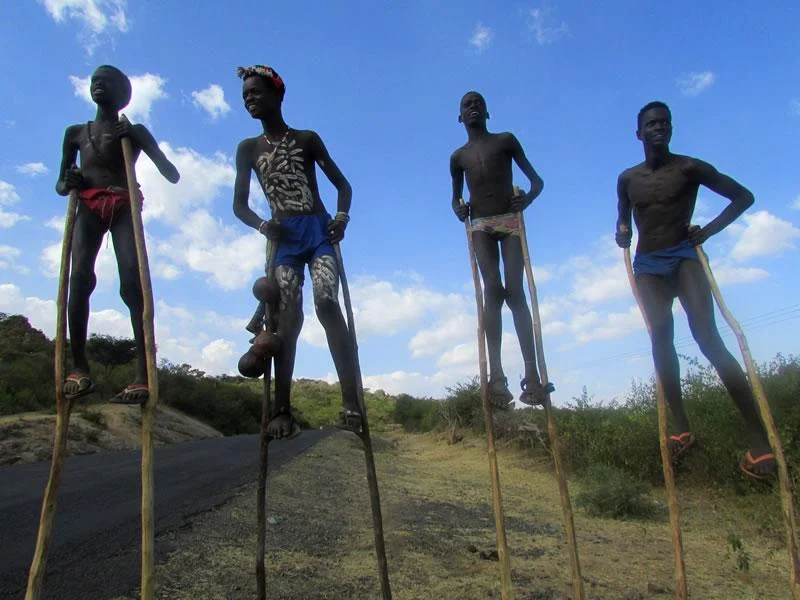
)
(202, 319)
(796, 203)
(42, 313)
(146, 89)
(601, 283)
(692, 84)
(728, 274)
(203, 179)
(105, 267)
(544, 28)
(591, 326)
(217, 356)
(33, 169)
(763, 234)
(182, 335)
(96, 16)
(9, 219)
(430, 341)
(482, 37)
(212, 100)
(9, 197)
(8, 259)
(381, 308)
(8, 194)
(205, 245)
(399, 382)
(541, 275)
(794, 107)
(166, 271)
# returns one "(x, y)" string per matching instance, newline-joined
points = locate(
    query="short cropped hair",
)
(648, 106)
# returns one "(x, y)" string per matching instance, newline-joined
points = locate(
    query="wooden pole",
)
(507, 589)
(263, 461)
(63, 409)
(785, 482)
(148, 408)
(563, 489)
(369, 457)
(681, 590)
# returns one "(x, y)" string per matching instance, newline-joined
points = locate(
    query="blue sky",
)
(381, 82)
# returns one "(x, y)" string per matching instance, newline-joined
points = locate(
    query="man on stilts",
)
(284, 160)
(486, 161)
(105, 206)
(661, 193)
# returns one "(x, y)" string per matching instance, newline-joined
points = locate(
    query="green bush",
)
(416, 414)
(608, 491)
(93, 416)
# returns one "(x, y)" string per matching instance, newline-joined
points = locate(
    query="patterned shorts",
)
(497, 226)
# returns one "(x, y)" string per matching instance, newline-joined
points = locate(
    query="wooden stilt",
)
(263, 461)
(63, 410)
(681, 589)
(507, 588)
(563, 489)
(369, 457)
(784, 480)
(149, 407)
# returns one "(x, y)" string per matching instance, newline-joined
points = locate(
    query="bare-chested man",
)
(661, 192)
(284, 161)
(486, 161)
(105, 206)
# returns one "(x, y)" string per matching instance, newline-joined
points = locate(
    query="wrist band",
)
(342, 216)
(260, 225)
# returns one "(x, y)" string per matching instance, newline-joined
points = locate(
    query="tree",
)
(110, 351)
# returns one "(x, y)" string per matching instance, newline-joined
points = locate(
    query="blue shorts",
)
(664, 262)
(303, 238)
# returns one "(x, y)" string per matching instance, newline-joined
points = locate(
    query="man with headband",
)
(486, 161)
(105, 207)
(284, 161)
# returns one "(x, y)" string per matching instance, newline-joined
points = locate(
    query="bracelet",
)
(342, 216)
(260, 225)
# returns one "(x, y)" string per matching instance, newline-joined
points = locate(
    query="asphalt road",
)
(94, 553)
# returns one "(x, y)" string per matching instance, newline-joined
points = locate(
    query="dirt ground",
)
(28, 437)
(438, 520)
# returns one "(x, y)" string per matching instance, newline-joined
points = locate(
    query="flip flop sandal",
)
(748, 462)
(679, 445)
(79, 378)
(500, 397)
(349, 417)
(535, 397)
(126, 396)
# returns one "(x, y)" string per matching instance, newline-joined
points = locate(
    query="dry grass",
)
(28, 437)
(437, 513)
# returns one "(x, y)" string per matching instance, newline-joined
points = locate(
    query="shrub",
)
(93, 416)
(608, 491)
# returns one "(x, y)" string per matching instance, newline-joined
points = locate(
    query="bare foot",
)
(282, 427)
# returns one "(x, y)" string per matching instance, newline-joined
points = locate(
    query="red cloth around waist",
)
(104, 202)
